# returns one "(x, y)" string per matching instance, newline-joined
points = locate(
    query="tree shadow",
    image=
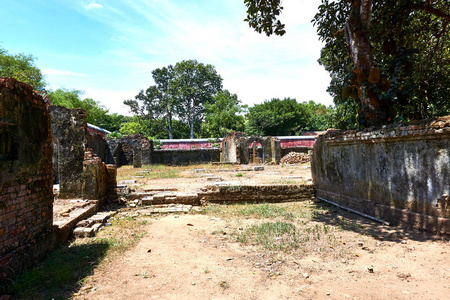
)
(335, 216)
(61, 274)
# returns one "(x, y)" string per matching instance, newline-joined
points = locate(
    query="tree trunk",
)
(170, 127)
(357, 30)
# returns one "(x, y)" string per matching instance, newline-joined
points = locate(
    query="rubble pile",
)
(295, 158)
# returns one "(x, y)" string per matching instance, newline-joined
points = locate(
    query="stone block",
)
(258, 168)
(79, 232)
(89, 231)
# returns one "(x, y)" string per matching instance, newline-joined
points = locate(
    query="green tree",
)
(277, 118)
(95, 113)
(194, 85)
(21, 67)
(407, 41)
(223, 115)
(390, 55)
(157, 102)
(111, 122)
(320, 116)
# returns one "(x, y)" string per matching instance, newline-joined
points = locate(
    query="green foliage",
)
(195, 84)
(111, 122)
(134, 126)
(114, 135)
(282, 117)
(180, 91)
(261, 16)
(95, 112)
(21, 67)
(410, 44)
(223, 115)
(158, 102)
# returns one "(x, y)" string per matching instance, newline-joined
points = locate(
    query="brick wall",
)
(26, 195)
(257, 193)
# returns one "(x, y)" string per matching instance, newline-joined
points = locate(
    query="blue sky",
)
(108, 48)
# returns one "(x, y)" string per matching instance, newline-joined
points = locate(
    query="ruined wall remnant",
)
(69, 135)
(135, 150)
(185, 156)
(397, 173)
(238, 148)
(256, 193)
(26, 194)
(98, 145)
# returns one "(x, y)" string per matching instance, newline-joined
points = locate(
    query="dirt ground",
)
(183, 257)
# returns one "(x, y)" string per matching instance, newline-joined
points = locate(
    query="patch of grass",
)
(64, 271)
(302, 238)
(265, 210)
(286, 211)
(239, 174)
(271, 236)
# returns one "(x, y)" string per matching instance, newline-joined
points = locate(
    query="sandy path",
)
(189, 262)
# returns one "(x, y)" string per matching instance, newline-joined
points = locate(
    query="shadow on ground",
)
(60, 275)
(352, 222)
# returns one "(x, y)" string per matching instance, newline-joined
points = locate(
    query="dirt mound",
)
(295, 158)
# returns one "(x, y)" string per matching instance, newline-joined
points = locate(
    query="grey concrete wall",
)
(399, 173)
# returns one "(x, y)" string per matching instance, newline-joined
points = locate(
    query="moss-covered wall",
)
(402, 167)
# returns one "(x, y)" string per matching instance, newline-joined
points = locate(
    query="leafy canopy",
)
(96, 114)
(223, 115)
(21, 67)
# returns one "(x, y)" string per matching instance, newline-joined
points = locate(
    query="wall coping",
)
(425, 129)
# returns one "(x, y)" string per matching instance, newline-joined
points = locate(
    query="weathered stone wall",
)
(98, 179)
(238, 148)
(185, 156)
(69, 135)
(257, 193)
(397, 173)
(135, 150)
(98, 144)
(26, 194)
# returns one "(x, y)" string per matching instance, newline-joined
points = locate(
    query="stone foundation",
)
(256, 193)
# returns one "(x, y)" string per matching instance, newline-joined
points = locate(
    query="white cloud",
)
(61, 72)
(91, 5)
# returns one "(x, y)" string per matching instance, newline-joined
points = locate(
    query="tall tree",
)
(223, 115)
(194, 85)
(277, 117)
(381, 40)
(158, 101)
(21, 67)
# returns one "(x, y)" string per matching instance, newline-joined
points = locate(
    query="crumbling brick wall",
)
(397, 173)
(238, 148)
(135, 150)
(98, 179)
(26, 194)
(69, 135)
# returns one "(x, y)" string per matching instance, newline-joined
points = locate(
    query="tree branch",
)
(429, 9)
